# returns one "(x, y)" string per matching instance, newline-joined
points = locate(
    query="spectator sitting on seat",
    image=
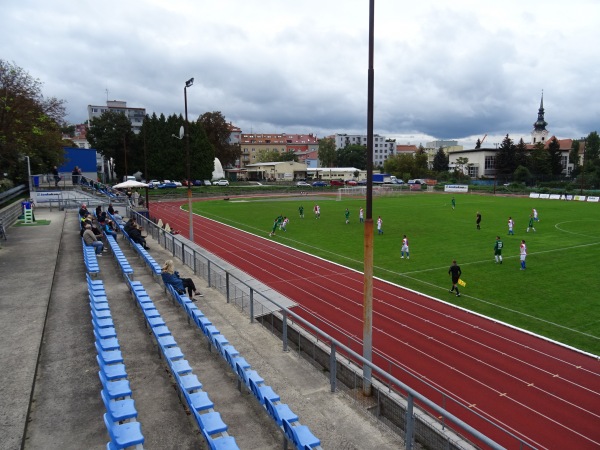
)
(91, 241)
(97, 232)
(117, 218)
(109, 228)
(136, 236)
(83, 210)
(171, 276)
(98, 210)
(111, 210)
(129, 225)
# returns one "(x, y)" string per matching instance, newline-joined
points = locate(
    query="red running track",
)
(542, 392)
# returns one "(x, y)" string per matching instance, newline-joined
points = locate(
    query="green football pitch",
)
(557, 296)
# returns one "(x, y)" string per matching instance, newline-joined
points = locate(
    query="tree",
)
(538, 160)
(402, 166)
(592, 148)
(352, 156)
(218, 133)
(521, 152)
(522, 174)
(29, 124)
(440, 161)
(505, 158)
(460, 166)
(555, 157)
(574, 157)
(265, 155)
(289, 155)
(112, 136)
(326, 153)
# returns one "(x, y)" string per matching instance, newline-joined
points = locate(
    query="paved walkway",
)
(49, 387)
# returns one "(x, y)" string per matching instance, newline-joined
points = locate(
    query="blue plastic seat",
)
(210, 422)
(115, 389)
(280, 412)
(108, 343)
(300, 435)
(161, 331)
(219, 341)
(262, 392)
(109, 356)
(166, 341)
(229, 352)
(119, 410)
(180, 366)
(105, 332)
(220, 443)
(188, 382)
(198, 401)
(173, 353)
(124, 435)
(112, 372)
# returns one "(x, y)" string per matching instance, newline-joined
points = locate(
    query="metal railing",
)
(394, 403)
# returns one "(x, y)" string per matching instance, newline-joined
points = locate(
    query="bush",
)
(6, 184)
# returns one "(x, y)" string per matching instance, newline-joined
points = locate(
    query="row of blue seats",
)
(209, 421)
(296, 433)
(148, 259)
(126, 268)
(90, 259)
(120, 418)
(89, 254)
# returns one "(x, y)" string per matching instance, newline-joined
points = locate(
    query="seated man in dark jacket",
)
(129, 225)
(136, 236)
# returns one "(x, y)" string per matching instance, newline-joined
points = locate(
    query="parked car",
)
(178, 183)
(167, 184)
(153, 184)
(302, 184)
(320, 184)
(207, 183)
(361, 183)
(416, 181)
(351, 183)
(221, 183)
(336, 182)
(197, 182)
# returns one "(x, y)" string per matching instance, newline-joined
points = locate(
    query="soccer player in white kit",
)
(523, 254)
(511, 225)
(404, 248)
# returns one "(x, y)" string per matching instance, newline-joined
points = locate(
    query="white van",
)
(128, 178)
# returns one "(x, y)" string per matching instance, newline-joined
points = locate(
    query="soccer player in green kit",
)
(347, 214)
(301, 211)
(531, 219)
(498, 249)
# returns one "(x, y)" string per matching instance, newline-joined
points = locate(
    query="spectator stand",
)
(89, 255)
(154, 267)
(121, 414)
(189, 390)
(288, 422)
(126, 268)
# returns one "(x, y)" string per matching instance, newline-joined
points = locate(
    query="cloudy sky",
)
(443, 70)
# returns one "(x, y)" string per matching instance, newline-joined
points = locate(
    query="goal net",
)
(359, 192)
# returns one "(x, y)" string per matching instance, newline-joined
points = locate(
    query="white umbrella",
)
(129, 184)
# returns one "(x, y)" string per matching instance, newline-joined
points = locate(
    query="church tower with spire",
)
(539, 133)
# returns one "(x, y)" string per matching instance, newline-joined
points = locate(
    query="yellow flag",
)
(462, 283)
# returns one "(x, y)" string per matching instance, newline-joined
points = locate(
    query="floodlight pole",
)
(188, 83)
(368, 236)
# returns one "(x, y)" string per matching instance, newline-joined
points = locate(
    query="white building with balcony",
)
(135, 115)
